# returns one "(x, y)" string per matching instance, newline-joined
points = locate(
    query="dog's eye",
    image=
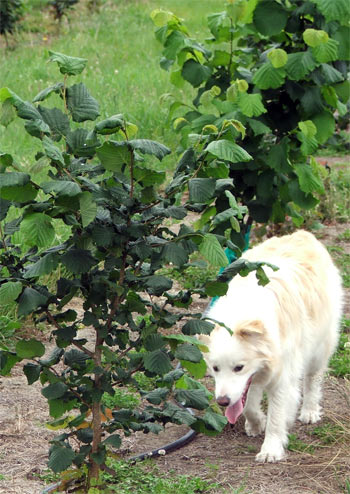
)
(238, 368)
(216, 368)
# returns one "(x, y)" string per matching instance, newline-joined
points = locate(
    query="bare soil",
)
(227, 459)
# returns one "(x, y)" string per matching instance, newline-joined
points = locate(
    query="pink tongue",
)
(234, 411)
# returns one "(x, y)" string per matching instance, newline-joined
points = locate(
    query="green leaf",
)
(7, 113)
(88, 208)
(299, 65)
(68, 65)
(251, 105)
(81, 104)
(157, 396)
(9, 292)
(216, 289)
(325, 125)
(211, 249)
(278, 57)
(44, 266)
(195, 73)
(52, 151)
(215, 420)
(78, 261)
(158, 284)
(193, 398)
(174, 253)
(308, 128)
(270, 17)
(146, 146)
(308, 181)
(29, 301)
(343, 38)
(29, 348)
(75, 358)
(188, 352)
(268, 77)
(326, 52)
(300, 198)
(32, 372)
(315, 37)
(82, 144)
(197, 326)
(333, 10)
(13, 179)
(56, 120)
(228, 151)
(55, 390)
(110, 125)
(113, 155)
(60, 458)
(37, 229)
(157, 362)
(198, 371)
(56, 88)
(113, 440)
(61, 188)
(201, 190)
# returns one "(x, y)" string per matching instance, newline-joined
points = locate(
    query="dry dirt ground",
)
(227, 459)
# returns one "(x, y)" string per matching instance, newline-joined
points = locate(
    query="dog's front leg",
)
(255, 418)
(282, 407)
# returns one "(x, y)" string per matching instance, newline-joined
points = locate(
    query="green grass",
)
(123, 71)
(147, 479)
(340, 362)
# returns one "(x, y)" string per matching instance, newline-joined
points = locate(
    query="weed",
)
(295, 444)
(121, 399)
(329, 433)
(345, 236)
(147, 479)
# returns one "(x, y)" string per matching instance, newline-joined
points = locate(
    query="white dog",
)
(281, 334)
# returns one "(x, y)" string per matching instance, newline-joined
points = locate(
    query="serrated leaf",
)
(308, 181)
(228, 151)
(198, 371)
(201, 190)
(197, 326)
(30, 348)
(56, 120)
(174, 253)
(268, 77)
(333, 10)
(68, 65)
(308, 128)
(325, 125)
(52, 151)
(110, 125)
(60, 458)
(74, 357)
(29, 301)
(37, 229)
(215, 420)
(157, 396)
(88, 208)
(61, 188)
(32, 372)
(55, 390)
(251, 105)
(147, 146)
(278, 57)
(114, 440)
(315, 37)
(270, 17)
(216, 289)
(9, 292)
(326, 52)
(188, 352)
(157, 362)
(114, 155)
(158, 284)
(211, 249)
(195, 73)
(300, 64)
(195, 398)
(56, 88)
(44, 266)
(78, 261)
(13, 179)
(82, 144)
(300, 198)
(81, 104)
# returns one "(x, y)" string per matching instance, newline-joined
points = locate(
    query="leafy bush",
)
(10, 13)
(271, 76)
(103, 184)
(61, 7)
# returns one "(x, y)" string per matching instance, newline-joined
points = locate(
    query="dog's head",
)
(234, 360)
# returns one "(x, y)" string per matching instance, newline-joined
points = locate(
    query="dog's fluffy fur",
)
(282, 334)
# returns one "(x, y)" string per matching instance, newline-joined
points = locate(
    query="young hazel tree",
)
(103, 185)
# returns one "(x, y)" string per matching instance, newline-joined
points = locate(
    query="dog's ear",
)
(250, 329)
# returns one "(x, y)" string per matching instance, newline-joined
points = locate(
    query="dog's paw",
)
(256, 427)
(310, 416)
(270, 456)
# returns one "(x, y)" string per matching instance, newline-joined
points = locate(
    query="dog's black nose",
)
(224, 401)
